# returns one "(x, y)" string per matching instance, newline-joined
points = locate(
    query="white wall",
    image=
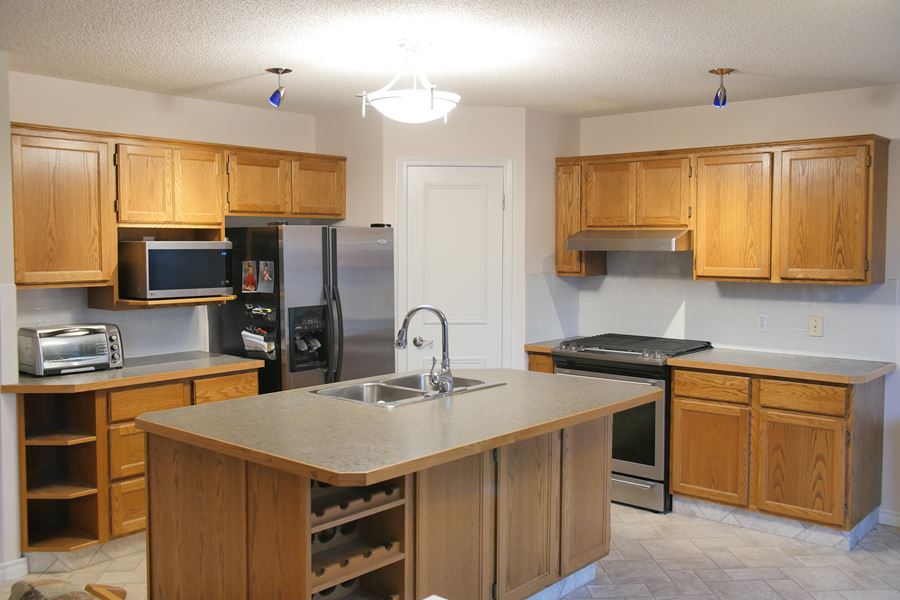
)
(11, 563)
(551, 302)
(470, 133)
(653, 293)
(346, 133)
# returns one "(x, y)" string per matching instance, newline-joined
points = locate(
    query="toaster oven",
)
(61, 349)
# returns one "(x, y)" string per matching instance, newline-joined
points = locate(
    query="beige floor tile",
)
(688, 582)
(822, 579)
(789, 590)
(635, 571)
(743, 590)
(723, 558)
(130, 562)
(755, 573)
(763, 556)
(618, 591)
(891, 595)
(123, 577)
(634, 531)
(712, 575)
(633, 551)
(660, 549)
(686, 564)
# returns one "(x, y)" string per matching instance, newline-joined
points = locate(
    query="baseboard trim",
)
(889, 517)
(14, 569)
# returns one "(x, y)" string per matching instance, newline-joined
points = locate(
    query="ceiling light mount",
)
(721, 97)
(420, 103)
(278, 95)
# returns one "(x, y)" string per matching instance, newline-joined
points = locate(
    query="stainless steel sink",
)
(371, 393)
(396, 391)
(421, 381)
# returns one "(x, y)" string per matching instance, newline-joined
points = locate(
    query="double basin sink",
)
(406, 389)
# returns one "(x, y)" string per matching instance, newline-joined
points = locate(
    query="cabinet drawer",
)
(128, 506)
(541, 363)
(126, 451)
(803, 397)
(712, 386)
(226, 387)
(125, 405)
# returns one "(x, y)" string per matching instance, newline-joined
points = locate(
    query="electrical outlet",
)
(762, 322)
(815, 326)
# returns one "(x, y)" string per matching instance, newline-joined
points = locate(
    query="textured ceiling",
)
(582, 57)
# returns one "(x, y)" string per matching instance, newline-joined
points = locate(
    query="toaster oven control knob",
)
(114, 347)
(115, 357)
(114, 338)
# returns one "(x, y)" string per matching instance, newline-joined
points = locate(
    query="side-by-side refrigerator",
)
(316, 303)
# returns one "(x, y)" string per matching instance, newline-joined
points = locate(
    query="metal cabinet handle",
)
(643, 486)
(419, 342)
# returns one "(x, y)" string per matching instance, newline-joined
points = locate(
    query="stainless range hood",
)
(636, 240)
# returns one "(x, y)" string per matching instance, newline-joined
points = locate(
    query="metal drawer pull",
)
(643, 486)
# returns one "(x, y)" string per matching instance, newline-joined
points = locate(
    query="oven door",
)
(639, 434)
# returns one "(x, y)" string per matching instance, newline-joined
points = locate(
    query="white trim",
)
(401, 267)
(14, 569)
(889, 517)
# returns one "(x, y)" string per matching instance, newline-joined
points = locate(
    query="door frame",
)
(401, 292)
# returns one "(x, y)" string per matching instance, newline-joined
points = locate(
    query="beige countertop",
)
(137, 371)
(794, 366)
(349, 443)
(542, 347)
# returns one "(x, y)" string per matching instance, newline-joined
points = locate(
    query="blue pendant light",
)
(721, 97)
(278, 95)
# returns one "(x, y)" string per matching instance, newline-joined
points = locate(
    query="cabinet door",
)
(802, 466)
(586, 459)
(609, 190)
(823, 210)
(63, 218)
(319, 187)
(146, 183)
(568, 217)
(528, 516)
(662, 192)
(455, 529)
(199, 186)
(258, 183)
(732, 235)
(128, 506)
(710, 450)
(126, 451)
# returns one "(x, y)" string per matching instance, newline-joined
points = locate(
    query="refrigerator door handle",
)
(340, 332)
(329, 323)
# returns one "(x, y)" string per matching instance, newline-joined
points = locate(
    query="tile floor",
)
(672, 556)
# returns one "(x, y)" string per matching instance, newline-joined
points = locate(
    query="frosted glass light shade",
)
(413, 105)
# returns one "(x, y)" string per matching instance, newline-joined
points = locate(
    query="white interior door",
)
(454, 255)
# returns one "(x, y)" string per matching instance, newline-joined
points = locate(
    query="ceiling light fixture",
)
(721, 97)
(278, 95)
(421, 103)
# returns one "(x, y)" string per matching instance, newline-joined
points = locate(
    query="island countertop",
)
(349, 443)
(137, 371)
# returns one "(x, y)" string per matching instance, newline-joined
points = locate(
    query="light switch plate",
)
(815, 326)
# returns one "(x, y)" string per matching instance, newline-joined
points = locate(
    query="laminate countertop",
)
(793, 366)
(137, 371)
(349, 443)
(542, 347)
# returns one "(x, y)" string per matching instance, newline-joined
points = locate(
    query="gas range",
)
(635, 349)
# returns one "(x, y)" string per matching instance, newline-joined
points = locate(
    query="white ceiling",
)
(569, 56)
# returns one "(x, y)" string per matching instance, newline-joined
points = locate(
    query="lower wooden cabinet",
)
(710, 449)
(542, 363)
(802, 449)
(802, 462)
(126, 450)
(528, 486)
(127, 506)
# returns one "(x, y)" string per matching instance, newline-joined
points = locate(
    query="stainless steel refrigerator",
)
(317, 303)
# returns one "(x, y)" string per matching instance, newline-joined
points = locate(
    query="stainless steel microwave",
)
(61, 349)
(152, 270)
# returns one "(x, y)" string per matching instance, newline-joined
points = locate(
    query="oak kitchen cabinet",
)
(804, 447)
(568, 222)
(807, 211)
(64, 222)
(319, 187)
(643, 193)
(82, 460)
(258, 183)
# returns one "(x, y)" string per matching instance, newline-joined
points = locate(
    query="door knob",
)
(419, 342)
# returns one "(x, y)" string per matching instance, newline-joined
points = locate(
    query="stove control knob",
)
(658, 355)
(645, 353)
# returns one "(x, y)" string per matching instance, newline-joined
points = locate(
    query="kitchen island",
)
(496, 492)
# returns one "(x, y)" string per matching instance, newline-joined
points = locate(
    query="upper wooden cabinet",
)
(662, 192)
(823, 208)
(319, 187)
(734, 216)
(199, 186)
(258, 183)
(809, 211)
(568, 222)
(63, 217)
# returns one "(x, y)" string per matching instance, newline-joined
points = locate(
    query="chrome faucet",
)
(442, 380)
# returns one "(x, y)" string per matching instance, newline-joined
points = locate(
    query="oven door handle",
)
(610, 377)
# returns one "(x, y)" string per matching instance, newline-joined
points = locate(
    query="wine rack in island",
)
(358, 541)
